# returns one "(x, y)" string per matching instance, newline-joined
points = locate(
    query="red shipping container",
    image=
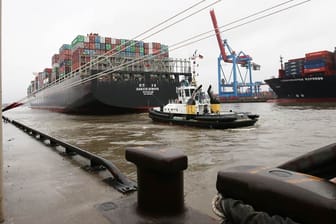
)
(86, 45)
(64, 57)
(156, 51)
(113, 46)
(75, 66)
(47, 70)
(78, 51)
(108, 40)
(55, 59)
(61, 69)
(92, 38)
(314, 70)
(157, 46)
(65, 52)
(326, 58)
(317, 53)
(65, 69)
(92, 46)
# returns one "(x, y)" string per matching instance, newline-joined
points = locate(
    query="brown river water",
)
(282, 133)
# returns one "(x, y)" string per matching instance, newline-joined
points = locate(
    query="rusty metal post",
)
(160, 179)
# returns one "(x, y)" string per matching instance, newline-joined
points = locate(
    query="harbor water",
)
(282, 133)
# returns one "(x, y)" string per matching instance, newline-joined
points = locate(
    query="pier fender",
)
(301, 197)
(320, 162)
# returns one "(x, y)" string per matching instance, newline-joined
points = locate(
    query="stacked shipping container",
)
(55, 67)
(46, 75)
(320, 62)
(41, 79)
(84, 48)
(65, 57)
(294, 67)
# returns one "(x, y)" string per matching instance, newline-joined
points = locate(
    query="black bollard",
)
(160, 179)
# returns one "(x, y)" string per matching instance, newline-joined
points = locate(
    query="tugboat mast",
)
(281, 62)
(194, 64)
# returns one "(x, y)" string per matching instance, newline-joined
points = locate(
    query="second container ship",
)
(308, 79)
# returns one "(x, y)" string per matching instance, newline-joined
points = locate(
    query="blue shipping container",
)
(97, 39)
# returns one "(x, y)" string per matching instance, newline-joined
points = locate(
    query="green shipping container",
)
(78, 39)
(108, 47)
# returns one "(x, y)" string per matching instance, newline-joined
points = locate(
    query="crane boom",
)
(226, 86)
(219, 38)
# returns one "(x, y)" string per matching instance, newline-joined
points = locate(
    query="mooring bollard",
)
(160, 179)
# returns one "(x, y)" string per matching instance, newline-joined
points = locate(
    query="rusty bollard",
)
(160, 179)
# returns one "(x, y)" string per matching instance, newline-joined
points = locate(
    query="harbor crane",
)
(234, 84)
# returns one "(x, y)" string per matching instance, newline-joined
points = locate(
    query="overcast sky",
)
(34, 30)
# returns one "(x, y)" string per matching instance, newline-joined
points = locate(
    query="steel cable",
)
(188, 41)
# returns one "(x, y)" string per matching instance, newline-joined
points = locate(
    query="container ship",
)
(104, 75)
(308, 79)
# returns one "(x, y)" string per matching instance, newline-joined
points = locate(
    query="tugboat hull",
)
(223, 121)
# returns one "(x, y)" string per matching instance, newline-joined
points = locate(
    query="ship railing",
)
(58, 81)
(163, 65)
(169, 65)
(119, 181)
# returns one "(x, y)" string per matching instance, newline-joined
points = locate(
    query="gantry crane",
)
(241, 85)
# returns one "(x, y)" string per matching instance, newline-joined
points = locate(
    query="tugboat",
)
(194, 108)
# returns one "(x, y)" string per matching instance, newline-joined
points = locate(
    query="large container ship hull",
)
(304, 89)
(106, 96)
(105, 75)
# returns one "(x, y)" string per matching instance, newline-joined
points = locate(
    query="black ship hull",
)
(304, 89)
(105, 75)
(106, 95)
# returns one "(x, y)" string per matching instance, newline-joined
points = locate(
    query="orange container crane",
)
(226, 86)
